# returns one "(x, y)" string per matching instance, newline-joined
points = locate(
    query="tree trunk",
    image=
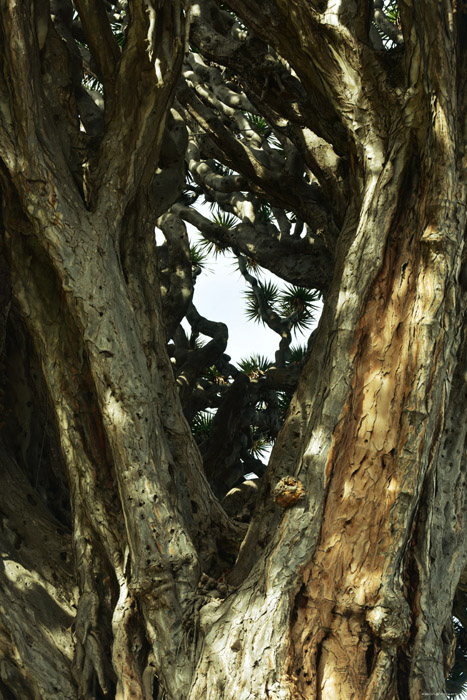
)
(344, 583)
(350, 596)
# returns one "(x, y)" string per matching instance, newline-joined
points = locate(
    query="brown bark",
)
(345, 581)
(343, 568)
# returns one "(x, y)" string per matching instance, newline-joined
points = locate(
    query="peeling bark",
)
(123, 576)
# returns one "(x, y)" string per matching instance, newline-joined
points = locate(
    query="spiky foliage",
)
(214, 248)
(276, 145)
(457, 679)
(195, 342)
(212, 374)
(261, 447)
(251, 265)
(254, 365)
(201, 425)
(119, 33)
(188, 196)
(297, 303)
(297, 354)
(270, 292)
(392, 12)
(283, 402)
(92, 83)
(258, 123)
(199, 256)
(301, 301)
(224, 219)
(266, 214)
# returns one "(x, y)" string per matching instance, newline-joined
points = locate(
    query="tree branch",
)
(199, 358)
(133, 139)
(100, 39)
(356, 87)
(300, 261)
(175, 272)
(275, 175)
(269, 85)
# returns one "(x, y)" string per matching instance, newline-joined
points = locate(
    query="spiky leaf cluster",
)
(292, 301)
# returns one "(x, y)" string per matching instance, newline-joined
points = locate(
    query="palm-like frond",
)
(276, 145)
(119, 34)
(255, 365)
(260, 447)
(258, 123)
(297, 353)
(392, 12)
(211, 373)
(199, 256)
(187, 196)
(195, 342)
(90, 82)
(202, 424)
(265, 213)
(225, 220)
(283, 402)
(301, 301)
(212, 248)
(270, 293)
(251, 265)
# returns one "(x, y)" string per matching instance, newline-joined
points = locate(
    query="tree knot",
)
(288, 491)
(390, 620)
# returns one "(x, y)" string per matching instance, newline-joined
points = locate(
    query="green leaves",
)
(211, 248)
(213, 374)
(225, 220)
(266, 214)
(255, 365)
(202, 424)
(300, 301)
(90, 82)
(260, 447)
(296, 303)
(283, 402)
(297, 354)
(199, 256)
(258, 123)
(392, 12)
(271, 295)
(119, 33)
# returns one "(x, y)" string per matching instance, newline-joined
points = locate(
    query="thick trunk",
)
(346, 595)
(344, 582)
(355, 572)
(350, 590)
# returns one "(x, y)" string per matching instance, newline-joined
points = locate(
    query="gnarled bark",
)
(120, 575)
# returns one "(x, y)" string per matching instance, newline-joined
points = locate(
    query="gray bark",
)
(123, 576)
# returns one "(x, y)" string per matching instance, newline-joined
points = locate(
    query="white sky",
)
(219, 297)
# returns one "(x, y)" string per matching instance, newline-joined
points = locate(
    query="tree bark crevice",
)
(122, 575)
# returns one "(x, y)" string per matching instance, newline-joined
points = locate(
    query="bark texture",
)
(342, 162)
